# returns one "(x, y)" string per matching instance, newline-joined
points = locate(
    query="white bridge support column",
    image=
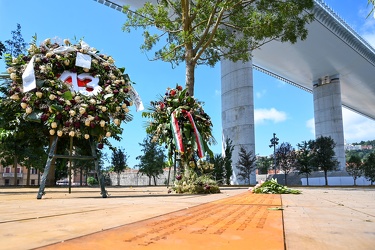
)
(237, 107)
(328, 113)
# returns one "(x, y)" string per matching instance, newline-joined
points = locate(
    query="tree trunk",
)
(307, 179)
(355, 181)
(285, 178)
(190, 78)
(149, 180)
(326, 177)
(28, 177)
(154, 179)
(15, 162)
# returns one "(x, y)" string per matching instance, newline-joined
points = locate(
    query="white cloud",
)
(357, 127)
(273, 115)
(310, 124)
(260, 94)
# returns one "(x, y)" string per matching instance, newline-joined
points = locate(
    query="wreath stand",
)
(52, 156)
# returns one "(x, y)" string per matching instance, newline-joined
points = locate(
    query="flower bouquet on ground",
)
(178, 121)
(272, 187)
(71, 90)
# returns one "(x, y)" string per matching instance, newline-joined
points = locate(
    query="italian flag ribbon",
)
(177, 134)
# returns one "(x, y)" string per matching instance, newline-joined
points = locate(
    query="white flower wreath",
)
(72, 90)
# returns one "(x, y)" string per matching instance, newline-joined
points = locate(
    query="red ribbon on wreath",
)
(177, 134)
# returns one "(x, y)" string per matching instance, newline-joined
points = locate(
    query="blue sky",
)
(279, 107)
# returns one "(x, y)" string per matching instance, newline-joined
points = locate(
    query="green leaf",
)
(56, 107)
(67, 95)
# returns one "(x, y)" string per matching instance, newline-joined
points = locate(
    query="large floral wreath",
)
(72, 90)
(179, 121)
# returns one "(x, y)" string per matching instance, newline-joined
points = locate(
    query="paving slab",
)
(150, 218)
(330, 218)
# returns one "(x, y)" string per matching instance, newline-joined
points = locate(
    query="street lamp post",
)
(274, 142)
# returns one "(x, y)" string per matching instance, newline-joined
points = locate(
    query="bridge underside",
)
(333, 54)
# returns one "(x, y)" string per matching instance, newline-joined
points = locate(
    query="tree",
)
(323, 155)
(219, 170)
(245, 165)
(15, 46)
(304, 159)
(205, 31)
(2, 49)
(354, 167)
(228, 151)
(286, 158)
(263, 164)
(369, 168)
(118, 160)
(152, 161)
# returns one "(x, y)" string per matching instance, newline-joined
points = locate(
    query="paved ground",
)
(150, 218)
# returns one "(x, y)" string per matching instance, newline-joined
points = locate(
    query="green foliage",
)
(119, 160)
(228, 150)
(354, 167)
(205, 31)
(272, 187)
(2, 49)
(263, 164)
(194, 184)
(286, 158)
(369, 167)
(245, 165)
(91, 181)
(152, 161)
(218, 171)
(323, 155)
(15, 46)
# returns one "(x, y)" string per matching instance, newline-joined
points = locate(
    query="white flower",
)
(53, 125)
(72, 113)
(51, 131)
(118, 108)
(87, 122)
(77, 98)
(82, 110)
(52, 97)
(71, 133)
(67, 62)
(37, 59)
(86, 69)
(23, 105)
(108, 134)
(110, 60)
(10, 70)
(47, 41)
(102, 123)
(67, 102)
(59, 133)
(66, 42)
(130, 103)
(29, 110)
(39, 94)
(126, 110)
(49, 54)
(117, 122)
(87, 136)
(124, 106)
(92, 101)
(104, 108)
(15, 97)
(13, 76)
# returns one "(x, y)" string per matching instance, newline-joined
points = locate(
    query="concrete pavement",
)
(319, 218)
